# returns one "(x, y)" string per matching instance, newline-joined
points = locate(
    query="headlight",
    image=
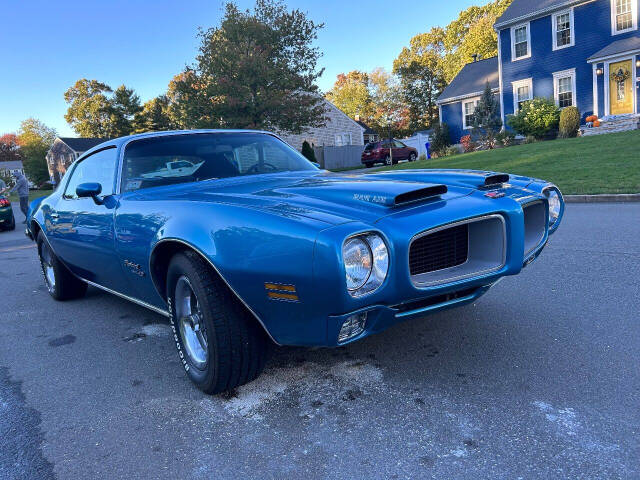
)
(366, 263)
(556, 205)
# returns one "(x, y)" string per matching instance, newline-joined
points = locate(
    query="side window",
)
(400, 144)
(97, 168)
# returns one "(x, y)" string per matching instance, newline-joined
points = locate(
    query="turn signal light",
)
(352, 327)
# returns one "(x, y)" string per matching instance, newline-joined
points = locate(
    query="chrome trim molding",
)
(126, 297)
(455, 278)
(199, 252)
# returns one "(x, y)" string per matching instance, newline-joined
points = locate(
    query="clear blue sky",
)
(47, 46)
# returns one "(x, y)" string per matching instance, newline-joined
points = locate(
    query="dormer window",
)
(563, 30)
(520, 42)
(624, 16)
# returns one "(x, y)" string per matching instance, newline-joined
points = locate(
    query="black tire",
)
(65, 285)
(412, 157)
(236, 346)
(12, 225)
(387, 161)
(368, 165)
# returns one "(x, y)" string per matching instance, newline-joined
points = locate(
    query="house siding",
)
(452, 116)
(337, 123)
(592, 24)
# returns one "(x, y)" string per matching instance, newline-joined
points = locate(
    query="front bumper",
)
(381, 317)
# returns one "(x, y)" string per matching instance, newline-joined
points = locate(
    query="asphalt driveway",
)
(539, 379)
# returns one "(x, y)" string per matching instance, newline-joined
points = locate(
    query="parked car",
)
(259, 245)
(7, 220)
(387, 152)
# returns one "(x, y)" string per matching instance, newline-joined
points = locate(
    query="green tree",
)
(90, 109)
(258, 69)
(189, 107)
(422, 79)
(95, 110)
(351, 94)
(391, 116)
(453, 47)
(125, 105)
(154, 116)
(486, 119)
(35, 141)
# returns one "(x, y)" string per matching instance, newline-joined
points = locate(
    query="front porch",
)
(613, 124)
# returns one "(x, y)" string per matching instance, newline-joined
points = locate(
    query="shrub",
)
(530, 139)
(441, 139)
(569, 122)
(506, 138)
(468, 144)
(486, 119)
(308, 152)
(538, 118)
(451, 151)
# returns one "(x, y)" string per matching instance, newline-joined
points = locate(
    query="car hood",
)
(327, 197)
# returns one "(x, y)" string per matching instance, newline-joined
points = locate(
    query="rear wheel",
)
(368, 165)
(387, 160)
(219, 344)
(412, 157)
(60, 282)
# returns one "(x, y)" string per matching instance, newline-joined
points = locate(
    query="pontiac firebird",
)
(259, 245)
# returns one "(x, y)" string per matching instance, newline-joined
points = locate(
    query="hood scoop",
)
(419, 195)
(497, 180)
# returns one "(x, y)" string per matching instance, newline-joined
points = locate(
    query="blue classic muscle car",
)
(248, 242)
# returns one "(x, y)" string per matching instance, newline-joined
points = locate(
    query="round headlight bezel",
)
(379, 266)
(555, 214)
(365, 252)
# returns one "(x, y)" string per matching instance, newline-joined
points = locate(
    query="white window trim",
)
(513, 41)
(614, 24)
(564, 74)
(554, 31)
(464, 113)
(527, 82)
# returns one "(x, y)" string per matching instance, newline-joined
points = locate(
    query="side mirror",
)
(90, 190)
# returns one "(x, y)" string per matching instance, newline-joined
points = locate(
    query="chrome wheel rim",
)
(191, 324)
(46, 259)
(387, 160)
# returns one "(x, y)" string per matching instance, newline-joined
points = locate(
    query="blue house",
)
(582, 53)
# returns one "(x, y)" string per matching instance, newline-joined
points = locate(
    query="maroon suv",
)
(387, 152)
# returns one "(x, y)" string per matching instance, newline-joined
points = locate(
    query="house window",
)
(564, 88)
(563, 35)
(520, 42)
(468, 110)
(343, 139)
(522, 92)
(624, 15)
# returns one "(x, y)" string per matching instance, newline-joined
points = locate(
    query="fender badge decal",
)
(277, 291)
(494, 194)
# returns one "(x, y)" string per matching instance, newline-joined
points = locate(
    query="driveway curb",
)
(625, 197)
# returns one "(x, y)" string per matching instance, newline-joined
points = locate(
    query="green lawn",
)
(590, 165)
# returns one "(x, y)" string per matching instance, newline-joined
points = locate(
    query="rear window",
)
(370, 146)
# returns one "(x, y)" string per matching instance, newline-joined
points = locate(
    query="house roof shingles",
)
(367, 130)
(82, 144)
(472, 80)
(521, 9)
(621, 46)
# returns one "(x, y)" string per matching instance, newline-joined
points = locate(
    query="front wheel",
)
(60, 282)
(368, 165)
(412, 157)
(387, 160)
(219, 344)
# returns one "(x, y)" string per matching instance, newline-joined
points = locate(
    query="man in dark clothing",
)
(22, 189)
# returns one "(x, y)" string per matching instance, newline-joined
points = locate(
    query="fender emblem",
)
(494, 194)
(135, 268)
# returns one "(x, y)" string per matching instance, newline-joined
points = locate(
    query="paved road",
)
(539, 379)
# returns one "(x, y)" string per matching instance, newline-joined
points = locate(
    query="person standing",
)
(22, 189)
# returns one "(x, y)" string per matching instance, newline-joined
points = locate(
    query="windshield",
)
(172, 159)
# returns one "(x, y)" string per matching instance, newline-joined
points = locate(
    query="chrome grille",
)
(437, 251)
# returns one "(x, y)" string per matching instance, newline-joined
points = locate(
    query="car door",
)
(400, 151)
(81, 231)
